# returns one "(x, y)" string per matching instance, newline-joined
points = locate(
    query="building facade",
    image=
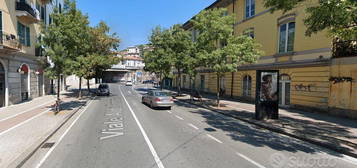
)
(311, 77)
(21, 76)
(130, 68)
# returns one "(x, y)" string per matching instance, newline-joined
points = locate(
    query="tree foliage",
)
(217, 46)
(339, 17)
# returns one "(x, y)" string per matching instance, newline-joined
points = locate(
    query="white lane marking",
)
(250, 160)
(129, 92)
(178, 117)
(151, 147)
(214, 138)
(24, 122)
(169, 112)
(25, 111)
(193, 126)
(62, 136)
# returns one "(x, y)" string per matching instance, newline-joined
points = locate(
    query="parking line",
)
(212, 137)
(178, 117)
(250, 160)
(169, 112)
(193, 126)
(151, 147)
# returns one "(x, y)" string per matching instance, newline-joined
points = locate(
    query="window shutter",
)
(20, 32)
(28, 40)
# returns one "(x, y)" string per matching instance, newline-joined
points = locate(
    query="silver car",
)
(156, 98)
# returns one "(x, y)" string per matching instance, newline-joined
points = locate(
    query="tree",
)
(101, 55)
(219, 49)
(181, 46)
(158, 59)
(62, 40)
(339, 17)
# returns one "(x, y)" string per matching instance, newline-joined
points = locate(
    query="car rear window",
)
(162, 94)
(103, 86)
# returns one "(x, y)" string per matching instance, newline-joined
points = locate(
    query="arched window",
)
(247, 85)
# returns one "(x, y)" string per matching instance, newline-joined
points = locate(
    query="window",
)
(249, 8)
(247, 85)
(286, 37)
(60, 8)
(249, 32)
(24, 34)
(202, 82)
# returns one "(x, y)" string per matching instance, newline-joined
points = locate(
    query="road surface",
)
(119, 131)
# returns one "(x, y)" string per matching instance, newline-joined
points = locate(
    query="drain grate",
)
(48, 145)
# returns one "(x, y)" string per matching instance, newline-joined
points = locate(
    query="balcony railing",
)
(33, 13)
(344, 48)
(9, 42)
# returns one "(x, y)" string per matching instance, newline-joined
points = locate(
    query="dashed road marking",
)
(193, 126)
(212, 137)
(250, 160)
(178, 117)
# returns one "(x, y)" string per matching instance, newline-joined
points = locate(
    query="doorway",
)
(2, 85)
(284, 87)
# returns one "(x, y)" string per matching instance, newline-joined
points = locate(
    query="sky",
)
(133, 20)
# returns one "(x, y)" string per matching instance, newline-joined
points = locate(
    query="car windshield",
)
(162, 94)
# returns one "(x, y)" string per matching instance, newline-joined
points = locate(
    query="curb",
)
(46, 137)
(280, 131)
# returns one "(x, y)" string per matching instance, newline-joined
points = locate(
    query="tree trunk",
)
(58, 86)
(191, 88)
(218, 89)
(80, 87)
(88, 86)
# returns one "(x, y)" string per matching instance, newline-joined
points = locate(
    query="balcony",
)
(26, 13)
(9, 42)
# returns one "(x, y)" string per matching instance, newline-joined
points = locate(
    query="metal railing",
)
(9, 40)
(24, 6)
(347, 48)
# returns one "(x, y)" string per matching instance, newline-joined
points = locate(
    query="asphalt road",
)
(119, 131)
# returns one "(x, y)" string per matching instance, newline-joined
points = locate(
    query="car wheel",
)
(169, 108)
(151, 106)
(142, 100)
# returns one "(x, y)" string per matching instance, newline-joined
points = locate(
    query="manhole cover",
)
(48, 145)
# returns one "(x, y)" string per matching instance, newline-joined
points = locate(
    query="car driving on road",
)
(103, 90)
(129, 83)
(156, 98)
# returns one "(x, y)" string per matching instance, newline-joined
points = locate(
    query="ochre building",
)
(311, 76)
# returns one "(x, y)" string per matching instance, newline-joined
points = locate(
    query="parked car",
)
(148, 81)
(129, 83)
(156, 98)
(103, 90)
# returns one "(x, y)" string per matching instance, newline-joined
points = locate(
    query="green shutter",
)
(0, 21)
(20, 33)
(28, 37)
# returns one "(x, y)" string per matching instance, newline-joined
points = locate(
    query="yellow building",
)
(21, 76)
(306, 64)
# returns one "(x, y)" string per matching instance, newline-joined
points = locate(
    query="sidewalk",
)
(23, 127)
(338, 134)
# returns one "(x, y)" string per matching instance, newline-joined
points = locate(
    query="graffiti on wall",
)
(306, 88)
